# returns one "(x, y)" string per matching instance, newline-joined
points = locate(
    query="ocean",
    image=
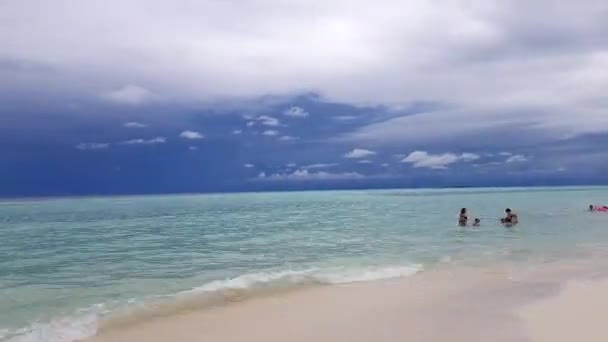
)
(68, 265)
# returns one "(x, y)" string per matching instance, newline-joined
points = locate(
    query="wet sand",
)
(496, 305)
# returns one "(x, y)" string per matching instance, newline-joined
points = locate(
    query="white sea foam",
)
(64, 329)
(308, 276)
(251, 280)
(354, 276)
(85, 322)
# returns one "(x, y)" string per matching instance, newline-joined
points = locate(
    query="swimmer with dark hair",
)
(463, 219)
(510, 217)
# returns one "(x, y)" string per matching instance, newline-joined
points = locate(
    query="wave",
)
(76, 327)
(328, 276)
(87, 322)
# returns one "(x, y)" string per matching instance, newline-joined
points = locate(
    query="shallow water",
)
(64, 263)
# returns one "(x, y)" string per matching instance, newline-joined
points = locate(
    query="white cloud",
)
(437, 161)
(248, 166)
(131, 95)
(467, 157)
(134, 125)
(92, 146)
(157, 140)
(319, 166)
(193, 148)
(533, 124)
(359, 153)
(290, 165)
(516, 158)
(268, 121)
(237, 132)
(423, 159)
(505, 154)
(457, 62)
(344, 117)
(304, 175)
(296, 112)
(191, 135)
(385, 165)
(270, 132)
(288, 138)
(250, 124)
(365, 161)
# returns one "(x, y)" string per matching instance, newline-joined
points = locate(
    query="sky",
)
(164, 96)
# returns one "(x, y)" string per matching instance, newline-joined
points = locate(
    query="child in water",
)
(476, 222)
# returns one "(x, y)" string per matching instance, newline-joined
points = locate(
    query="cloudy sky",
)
(145, 96)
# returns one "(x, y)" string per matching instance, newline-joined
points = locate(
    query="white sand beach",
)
(577, 313)
(458, 306)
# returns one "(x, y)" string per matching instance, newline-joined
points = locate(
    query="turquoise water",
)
(67, 263)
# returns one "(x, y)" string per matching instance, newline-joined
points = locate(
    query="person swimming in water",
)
(463, 219)
(510, 217)
(476, 222)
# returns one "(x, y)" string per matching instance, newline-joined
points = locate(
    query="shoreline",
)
(497, 304)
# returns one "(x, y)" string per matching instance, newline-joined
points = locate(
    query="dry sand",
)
(455, 306)
(578, 313)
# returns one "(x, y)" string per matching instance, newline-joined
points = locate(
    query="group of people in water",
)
(509, 219)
